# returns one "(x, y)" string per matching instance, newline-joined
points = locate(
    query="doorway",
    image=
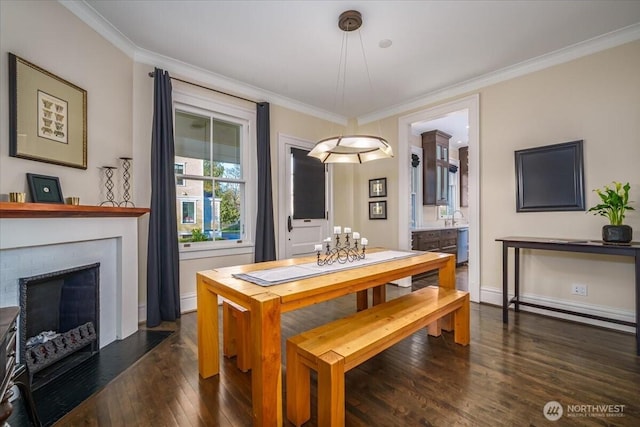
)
(472, 105)
(304, 204)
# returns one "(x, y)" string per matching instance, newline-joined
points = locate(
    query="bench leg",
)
(331, 390)
(298, 386)
(461, 334)
(236, 335)
(434, 329)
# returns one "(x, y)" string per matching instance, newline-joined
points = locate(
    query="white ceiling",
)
(291, 48)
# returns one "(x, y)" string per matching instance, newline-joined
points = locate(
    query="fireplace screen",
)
(59, 315)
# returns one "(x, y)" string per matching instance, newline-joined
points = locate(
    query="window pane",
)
(228, 210)
(192, 138)
(308, 186)
(195, 211)
(226, 149)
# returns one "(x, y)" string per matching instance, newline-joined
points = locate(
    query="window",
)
(179, 169)
(213, 167)
(188, 212)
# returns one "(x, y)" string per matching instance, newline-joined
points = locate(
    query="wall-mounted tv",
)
(550, 178)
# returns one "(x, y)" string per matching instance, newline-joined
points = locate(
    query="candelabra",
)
(349, 251)
(126, 186)
(108, 184)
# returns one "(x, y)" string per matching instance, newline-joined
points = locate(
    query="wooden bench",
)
(236, 332)
(334, 348)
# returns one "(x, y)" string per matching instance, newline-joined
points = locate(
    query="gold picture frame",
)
(47, 116)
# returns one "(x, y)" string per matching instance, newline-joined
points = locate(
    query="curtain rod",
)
(151, 74)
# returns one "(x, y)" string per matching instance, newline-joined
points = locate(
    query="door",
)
(307, 200)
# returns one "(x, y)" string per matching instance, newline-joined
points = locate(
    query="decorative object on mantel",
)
(614, 203)
(126, 186)
(17, 197)
(44, 189)
(47, 116)
(351, 148)
(342, 253)
(108, 185)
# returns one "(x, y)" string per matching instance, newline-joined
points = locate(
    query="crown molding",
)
(93, 19)
(578, 50)
(99, 24)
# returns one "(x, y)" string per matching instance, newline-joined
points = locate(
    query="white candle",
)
(337, 229)
(328, 239)
(347, 230)
(317, 248)
(356, 235)
(364, 241)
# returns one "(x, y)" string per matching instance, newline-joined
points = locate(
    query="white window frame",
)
(185, 100)
(195, 210)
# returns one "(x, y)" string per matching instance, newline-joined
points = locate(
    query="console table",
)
(566, 245)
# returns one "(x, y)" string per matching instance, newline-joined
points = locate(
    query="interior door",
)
(307, 199)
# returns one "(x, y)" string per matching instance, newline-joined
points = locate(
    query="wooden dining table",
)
(266, 305)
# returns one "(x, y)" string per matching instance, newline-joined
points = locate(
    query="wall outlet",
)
(579, 290)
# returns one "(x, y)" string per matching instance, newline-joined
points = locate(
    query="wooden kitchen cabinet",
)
(463, 154)
(435, 148)
(443, 240)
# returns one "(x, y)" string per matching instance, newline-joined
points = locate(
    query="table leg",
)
(447, 274)
(266, 368)
(208, 339)
(362, 302)
(638, 303)
(379, 294)
(516, 279)
(505, 282)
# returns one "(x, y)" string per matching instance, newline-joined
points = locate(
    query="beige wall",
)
(48, 35)
(596, 99)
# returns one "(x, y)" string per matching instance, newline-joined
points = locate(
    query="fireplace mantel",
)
(58, 210)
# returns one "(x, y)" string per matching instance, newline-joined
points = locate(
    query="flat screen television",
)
(550, 178)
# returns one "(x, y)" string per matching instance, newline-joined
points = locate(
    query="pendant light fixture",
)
(351, 148)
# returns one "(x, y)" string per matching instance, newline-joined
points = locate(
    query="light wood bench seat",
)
(236, 332)
(335, 348)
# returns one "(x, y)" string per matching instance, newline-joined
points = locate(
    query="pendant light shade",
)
(351, 148)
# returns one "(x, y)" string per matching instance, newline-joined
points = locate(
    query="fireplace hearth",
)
(59, 321)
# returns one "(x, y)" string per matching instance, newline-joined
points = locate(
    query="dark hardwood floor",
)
(503, 378)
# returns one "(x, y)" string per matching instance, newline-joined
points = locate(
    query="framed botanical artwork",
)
(378, 187)
(47, 116)
(44, 189)
(378, 210)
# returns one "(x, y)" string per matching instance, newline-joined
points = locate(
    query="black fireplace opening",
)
(59, 321)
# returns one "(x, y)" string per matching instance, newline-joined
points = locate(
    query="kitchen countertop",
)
(440, 227)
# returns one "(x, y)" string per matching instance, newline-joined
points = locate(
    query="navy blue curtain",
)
(163, 268)
(265, 237)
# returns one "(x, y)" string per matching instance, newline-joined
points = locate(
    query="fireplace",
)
(59, 321)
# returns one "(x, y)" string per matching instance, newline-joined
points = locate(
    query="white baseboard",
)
(188, 302)
(494, 296)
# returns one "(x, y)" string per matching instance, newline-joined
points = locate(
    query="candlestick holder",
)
(108, 185)
(341, 253)
(126, 186)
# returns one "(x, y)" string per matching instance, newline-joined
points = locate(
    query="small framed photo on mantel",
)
(44, 189)
(378, 187)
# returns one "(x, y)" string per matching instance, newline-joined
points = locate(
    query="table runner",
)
(279, 275)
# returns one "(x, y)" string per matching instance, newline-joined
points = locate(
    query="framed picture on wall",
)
(378, 210)
(47, 116)
(378, 187)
